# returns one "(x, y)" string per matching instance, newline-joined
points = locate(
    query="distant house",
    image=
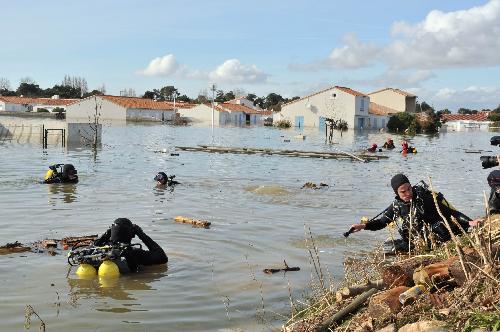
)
(24, 104)
(245, 102)
(118, 108)
(458, 122)
(224, 114)
(335, 103)
(396, 99)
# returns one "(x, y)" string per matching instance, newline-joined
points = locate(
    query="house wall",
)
(10, 107)
(134, 114)
(202, 113)
(391, 99)
(332, 103)
(84, 110)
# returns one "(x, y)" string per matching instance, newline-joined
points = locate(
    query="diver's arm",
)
(154, 255)
(103, 239)
(386, 218)
(448, 210)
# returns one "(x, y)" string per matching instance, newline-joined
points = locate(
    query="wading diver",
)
(416, 217)
(121, 232)
(61, 173)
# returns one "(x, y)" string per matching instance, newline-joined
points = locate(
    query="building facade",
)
(225, 114)
(24, 104)
(333, 103)
(396, 99)
(118, 108)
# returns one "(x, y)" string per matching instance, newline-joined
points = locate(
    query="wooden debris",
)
(311, 185)
(72, 240)
(340, 315)
(351, 291)
(434, 273)
(285, 269)
(194, 222)
(12, 248)
(386, 303)
(290, 153)
(49, 244)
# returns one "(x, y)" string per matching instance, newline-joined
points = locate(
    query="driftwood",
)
(12, 248)
(401, 274)
(351, 291)
(194, 222)
(73, 240)
(311, 185)
(340, 315)
(387, 302)
(285, 269)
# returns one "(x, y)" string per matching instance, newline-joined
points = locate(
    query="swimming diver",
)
(61, 173)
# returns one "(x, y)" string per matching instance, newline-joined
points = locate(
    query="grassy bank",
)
(462, 297)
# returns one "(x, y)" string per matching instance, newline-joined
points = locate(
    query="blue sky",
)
(447, 52)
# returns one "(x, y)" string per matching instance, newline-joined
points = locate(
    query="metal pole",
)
(213, 100)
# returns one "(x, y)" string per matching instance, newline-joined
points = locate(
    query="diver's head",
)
(69, 172)
(161, 178)
(122, 231)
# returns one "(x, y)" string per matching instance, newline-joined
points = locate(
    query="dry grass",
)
(474, 304)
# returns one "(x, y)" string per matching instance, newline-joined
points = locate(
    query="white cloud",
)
(464, 38)
(474, 97)
(353, 54)
(162, 66)
(233, 71)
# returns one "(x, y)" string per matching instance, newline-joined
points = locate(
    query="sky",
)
(446, 52)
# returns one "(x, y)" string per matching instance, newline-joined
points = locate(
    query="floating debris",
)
(311, 185)
(194, 222)
(285, 269)
(12, 248)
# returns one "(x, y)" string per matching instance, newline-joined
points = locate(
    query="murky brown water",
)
(214, 280)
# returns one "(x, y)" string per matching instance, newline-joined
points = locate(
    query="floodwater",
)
(214, 279)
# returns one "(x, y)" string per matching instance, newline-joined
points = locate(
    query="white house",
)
(118, 108)
(224, 114)
(335, 103)
(245, 102)
(396, 99)
(458, 122)
(24, 104)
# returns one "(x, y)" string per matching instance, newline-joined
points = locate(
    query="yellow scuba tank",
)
(108, 269)
(85, 271)
(49, 174)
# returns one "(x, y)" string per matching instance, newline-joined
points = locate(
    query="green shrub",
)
(42, 110)
(494, 116)
(402, 121)
(58, 110)
(283, 123)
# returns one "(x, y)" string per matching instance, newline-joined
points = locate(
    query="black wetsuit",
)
(60, 178)
(135, 256)
(388, 146)
(494, 201)
(420, 215)
(68, 174)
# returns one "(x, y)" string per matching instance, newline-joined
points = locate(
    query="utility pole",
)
(213, 87)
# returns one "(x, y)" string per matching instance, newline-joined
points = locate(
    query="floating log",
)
(12, 248)
(351, 291)
(285, 269)
(289, 153)
(194, 222)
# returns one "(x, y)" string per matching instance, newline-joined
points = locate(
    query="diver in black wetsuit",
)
(122, 231)
(68, 174)
(415, 215)
(163, 180)
(494, 183)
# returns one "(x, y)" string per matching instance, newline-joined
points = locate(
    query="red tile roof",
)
(479, 116)
(37, 101)
(401, 92)
(341, 88)
(377, 109)
(238, 108)
(145, 103)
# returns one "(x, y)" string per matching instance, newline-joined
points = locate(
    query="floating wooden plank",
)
(194, 222)
(289, 153)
